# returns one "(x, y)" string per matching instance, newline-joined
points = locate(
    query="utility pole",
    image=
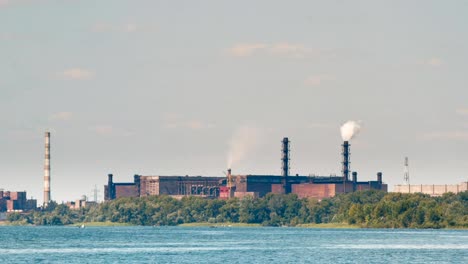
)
(406, 174)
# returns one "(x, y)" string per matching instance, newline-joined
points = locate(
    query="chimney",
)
(110, 187)
(285, 164)
(285, 157)
(345, 161)
(137, 181)
(354, 181)
(229, 183)
(47, 170)
(229, 179)
(379, 177)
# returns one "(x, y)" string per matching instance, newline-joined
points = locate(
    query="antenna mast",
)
(406, 173)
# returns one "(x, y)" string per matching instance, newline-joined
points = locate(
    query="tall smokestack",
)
(110, 187)
(47, 170)
(285, 157)
(285, 164)
(346, 161)
(229, 178)
(229, 184)
(354, 181)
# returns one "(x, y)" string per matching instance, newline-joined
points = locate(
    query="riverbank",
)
(206, 224)
(327, 225)
(101, 224)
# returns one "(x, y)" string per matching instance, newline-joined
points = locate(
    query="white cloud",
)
(244, 50)
(77, 74)
(462, 111)
(103, 130)
(62, 116)
(447, 135)
(283, 49)
(434, 62)
(290, 50)
(317, 80)
(195, 124)
(130, 27)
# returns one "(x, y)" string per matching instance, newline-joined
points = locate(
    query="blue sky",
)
(161, 87)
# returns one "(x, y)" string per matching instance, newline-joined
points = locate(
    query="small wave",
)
(115, 250)
(400, 246)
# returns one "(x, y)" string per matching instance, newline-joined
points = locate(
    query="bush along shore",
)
(368, 209)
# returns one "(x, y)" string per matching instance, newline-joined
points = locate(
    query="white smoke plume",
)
(350, 129)
(244, 140)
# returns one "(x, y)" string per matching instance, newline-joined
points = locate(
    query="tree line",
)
(374, 209)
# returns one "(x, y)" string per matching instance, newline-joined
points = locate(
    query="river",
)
(36, 244)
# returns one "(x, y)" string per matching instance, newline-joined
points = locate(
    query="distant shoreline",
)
(242, 225)
(327, 225)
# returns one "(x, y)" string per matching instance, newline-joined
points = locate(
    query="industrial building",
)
(224, 187)
(16, 201)
(431, 189)
(169, 185)
(81, 203)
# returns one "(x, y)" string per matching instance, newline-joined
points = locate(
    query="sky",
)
(173, 87)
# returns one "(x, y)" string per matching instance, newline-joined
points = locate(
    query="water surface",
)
(230, 245)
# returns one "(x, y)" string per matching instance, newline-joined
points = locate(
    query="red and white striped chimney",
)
(47, 170)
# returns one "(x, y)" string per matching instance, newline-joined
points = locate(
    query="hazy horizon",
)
(168, 88)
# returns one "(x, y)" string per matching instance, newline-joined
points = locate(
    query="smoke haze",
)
(244, 140)
(350, 129)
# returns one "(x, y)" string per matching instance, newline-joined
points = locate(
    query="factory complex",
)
(15, 201)
(231, 185)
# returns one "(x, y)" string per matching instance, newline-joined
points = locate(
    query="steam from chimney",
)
(244, 140)
(350, 129)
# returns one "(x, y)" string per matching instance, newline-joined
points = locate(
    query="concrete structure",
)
(431, 189)
(16, 201)
(47, 170)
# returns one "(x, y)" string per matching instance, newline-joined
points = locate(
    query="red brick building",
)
(16, 201)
